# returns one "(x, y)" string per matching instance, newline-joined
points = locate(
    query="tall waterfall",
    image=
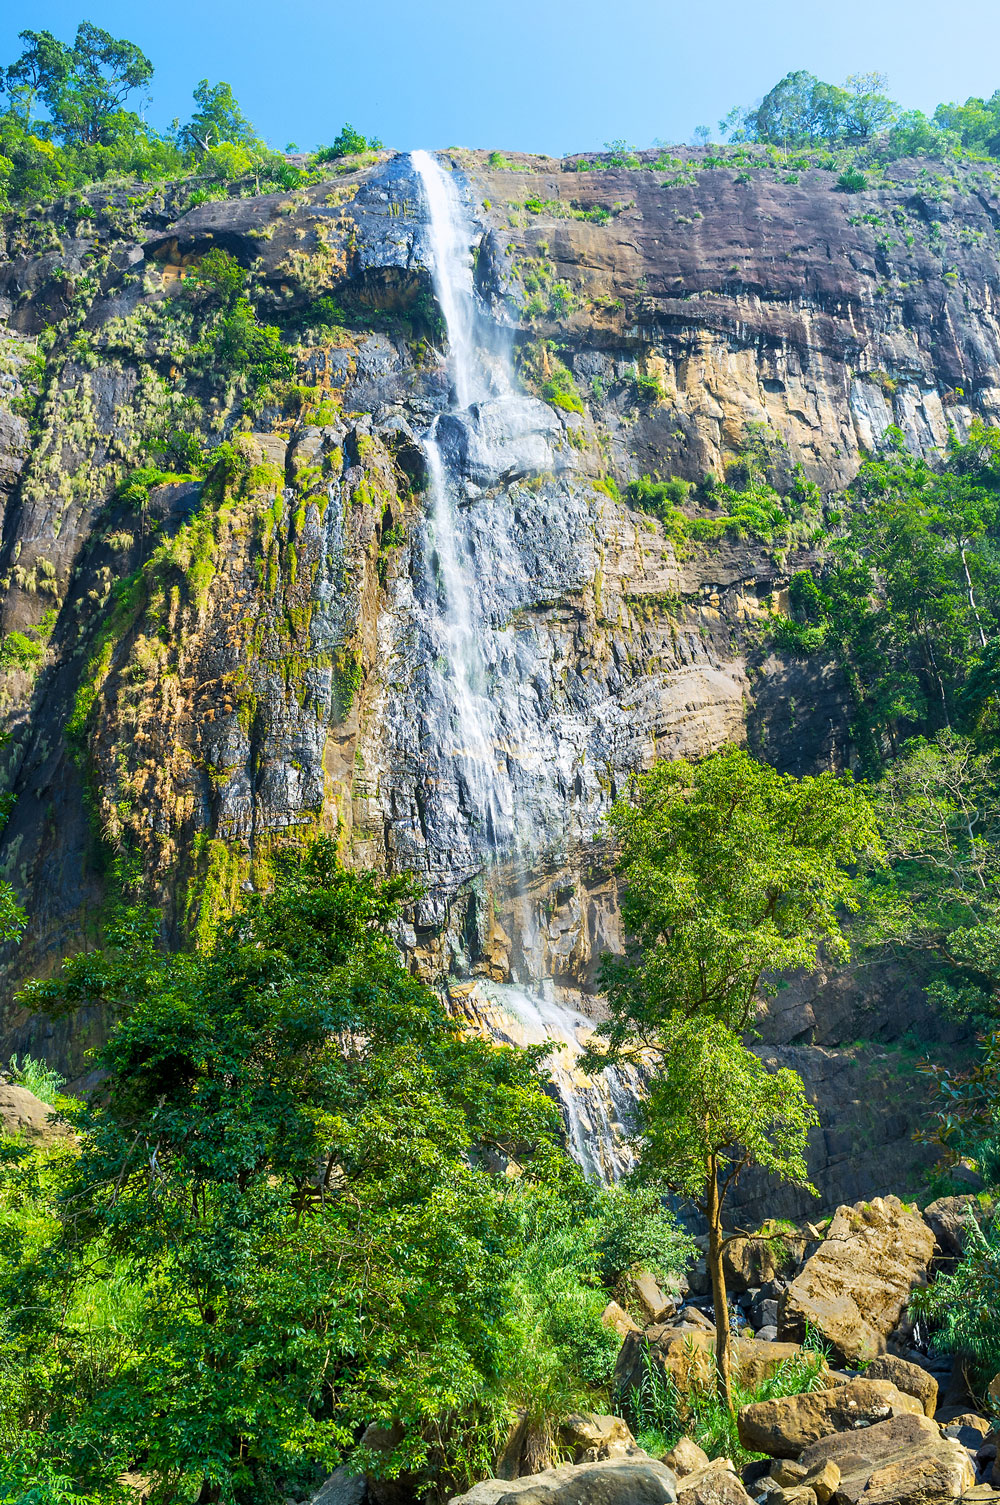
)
(490, 434)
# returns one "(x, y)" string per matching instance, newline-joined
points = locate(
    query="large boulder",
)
(856, 1286)
(686, 1353)
(24, 1115)
(686, 1457)
(905, 1461)
(628, 1481)
(948, 1219)
(783, 1427)
(909, 1378)
(588, 1438)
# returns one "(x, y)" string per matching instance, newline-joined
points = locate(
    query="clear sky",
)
(528, 75)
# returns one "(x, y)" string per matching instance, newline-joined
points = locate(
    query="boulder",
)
(882, 1454)
(684, 1353)
(757, 1259)
(627, 1481)
(783, 1427)
(968, 1421)
(615, 1317)
(787, 1472)
(685, 1457)
(715, 1484)
(656, 1306)
(910, 1378)
(342, 1488)
(589, 1438)
(948, 1219)
(853, 1290)
(824, 1481)
(25, 1115)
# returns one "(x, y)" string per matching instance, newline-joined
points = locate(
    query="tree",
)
(39, 73)
(732, 873)
(938, 901)
(286, 1162)
(218, 118)
(103, 71)
(713, 1110)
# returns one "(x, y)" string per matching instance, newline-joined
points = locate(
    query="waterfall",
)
(490, 434)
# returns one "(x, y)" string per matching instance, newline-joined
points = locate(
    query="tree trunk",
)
(723, 1359)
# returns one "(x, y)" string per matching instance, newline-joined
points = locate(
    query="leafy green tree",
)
(39, 74)
(938, 901)
(910, 600)
(713, 1110)
(346, 144)
(86, 103)
(217, 118)
(732, 874)
(287, 1161)
(976, 123)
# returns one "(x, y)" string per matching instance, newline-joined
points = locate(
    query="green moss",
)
(213, 890)
(560, 389)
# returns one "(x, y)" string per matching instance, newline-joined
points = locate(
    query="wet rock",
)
(784, 1427)
(854, 1288)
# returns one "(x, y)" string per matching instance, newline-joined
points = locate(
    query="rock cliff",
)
(195, 672)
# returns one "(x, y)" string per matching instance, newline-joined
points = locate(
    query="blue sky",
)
(529, 75)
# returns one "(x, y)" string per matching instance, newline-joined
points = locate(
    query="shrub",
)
(852, 180)
(18, 651)
(560, 389)
(347, 144)
(962, 1305)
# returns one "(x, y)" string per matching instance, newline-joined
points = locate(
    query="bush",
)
(37, 1077)
(852, 180)
(962, 1305)
(790, 636)
(19, 652)
(560, 389)
(348, 143)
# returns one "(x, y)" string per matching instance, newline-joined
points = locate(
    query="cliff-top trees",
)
(732, 874)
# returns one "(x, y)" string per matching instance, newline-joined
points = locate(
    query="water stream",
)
(490, 433)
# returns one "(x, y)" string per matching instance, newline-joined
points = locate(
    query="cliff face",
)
(252, 658)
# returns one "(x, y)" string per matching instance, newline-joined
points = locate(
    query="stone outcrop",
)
(855, 1287)
(689, 1352)
(907, 1377)
(783, 1428)
(904, 1460)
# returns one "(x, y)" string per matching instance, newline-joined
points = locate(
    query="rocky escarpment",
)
(233, 662)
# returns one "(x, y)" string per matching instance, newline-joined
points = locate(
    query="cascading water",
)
(490, 434)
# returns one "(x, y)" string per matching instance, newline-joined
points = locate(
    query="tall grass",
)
(38, 1078)
(660, 1412)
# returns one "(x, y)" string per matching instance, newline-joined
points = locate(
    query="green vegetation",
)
(746, 504)
(909, 599)
(661, 1412)
(733, 874)
(37, 1077)
(68, 124)
(282, 1219)
(560, 389)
